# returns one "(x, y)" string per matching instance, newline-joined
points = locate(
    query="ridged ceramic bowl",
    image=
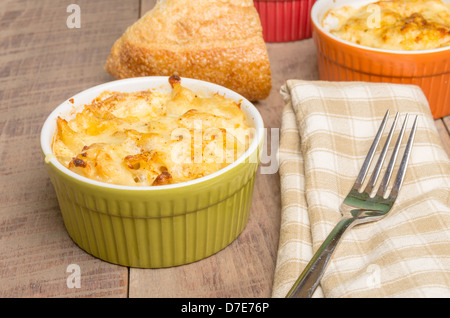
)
(340, 60)
(159, 226)
(285, 20)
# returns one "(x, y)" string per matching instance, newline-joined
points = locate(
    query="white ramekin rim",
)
(322, 6)
(136, 84)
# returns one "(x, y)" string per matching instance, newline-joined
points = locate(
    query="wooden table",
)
(42, 63)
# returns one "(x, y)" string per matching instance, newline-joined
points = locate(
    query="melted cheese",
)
(402, 25)
(150, 138)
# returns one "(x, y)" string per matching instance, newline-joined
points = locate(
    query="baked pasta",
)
(402, 25)
(150, 138)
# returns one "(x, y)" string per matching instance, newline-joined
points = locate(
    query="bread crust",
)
(218, 41)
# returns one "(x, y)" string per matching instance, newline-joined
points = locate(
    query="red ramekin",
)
(285, 20)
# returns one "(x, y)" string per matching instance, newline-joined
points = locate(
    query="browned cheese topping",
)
(402, 25)
(150, 138)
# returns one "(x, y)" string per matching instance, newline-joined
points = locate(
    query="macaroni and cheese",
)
(405, 25)
(151, 138)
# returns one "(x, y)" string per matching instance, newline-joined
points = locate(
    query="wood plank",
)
(42, 63)
(446, 121)
(443, 126)
(146, 5)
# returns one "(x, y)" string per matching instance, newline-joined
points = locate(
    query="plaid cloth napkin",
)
(327, 129)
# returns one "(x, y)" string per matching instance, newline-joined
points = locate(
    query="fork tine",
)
(376, 172)
(387, 176)
(366, 164)
(404, 163)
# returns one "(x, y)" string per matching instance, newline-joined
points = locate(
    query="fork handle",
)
(309, 279)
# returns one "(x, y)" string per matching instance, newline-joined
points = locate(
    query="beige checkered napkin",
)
(327, 129)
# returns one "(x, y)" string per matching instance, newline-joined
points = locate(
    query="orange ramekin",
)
(285, 20)
(340, 60)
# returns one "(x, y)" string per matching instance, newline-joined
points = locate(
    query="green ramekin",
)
(161, 226)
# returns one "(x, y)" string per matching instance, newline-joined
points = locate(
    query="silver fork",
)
(360, 206)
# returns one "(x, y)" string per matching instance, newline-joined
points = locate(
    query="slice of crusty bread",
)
(218, 41)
